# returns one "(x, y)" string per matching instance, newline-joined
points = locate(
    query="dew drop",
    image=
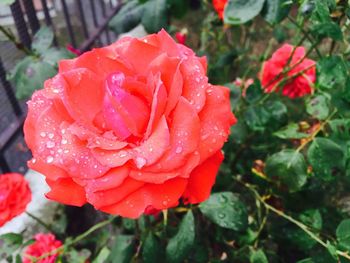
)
(49, 159)
(51, 135)
(140, 162)
(50, 144)
(122, 154)
(178, 149)
(197, 79)
(221, 215)
(33, 160)
(43, 134)
(165, 202)
(64, 141)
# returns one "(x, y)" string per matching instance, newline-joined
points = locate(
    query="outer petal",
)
(202, 179)
(160, 197)
(66, 191)
(216, 120)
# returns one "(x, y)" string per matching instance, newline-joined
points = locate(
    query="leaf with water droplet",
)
(226, 210)
(152, 249)
(181, 244)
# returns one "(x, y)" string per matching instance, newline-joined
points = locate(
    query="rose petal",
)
(202, 179)
(66, 191)
(216, 120)
(83, 94)
(159, 196)
(112, 196)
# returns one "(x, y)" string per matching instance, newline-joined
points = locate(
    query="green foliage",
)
(241, 11)
(226, 210)
(180, 245)
(122, 249)
(288, 167)
(30, 73)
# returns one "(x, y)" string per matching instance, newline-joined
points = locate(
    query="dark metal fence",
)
(89, 30)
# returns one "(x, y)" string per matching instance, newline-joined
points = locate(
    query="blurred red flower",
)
(15, 195)
(296, 82)
(181, 37)
(219, 6)
(44, 244)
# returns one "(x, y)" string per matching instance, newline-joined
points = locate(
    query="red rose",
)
(15, 195)
(219, 6)
(298, 81)
(130, 126)
(44, 244)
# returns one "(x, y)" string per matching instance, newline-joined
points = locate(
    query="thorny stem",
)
(314, 134)
(13, 39)
(40, 221)
(303, 227)
(74, 241)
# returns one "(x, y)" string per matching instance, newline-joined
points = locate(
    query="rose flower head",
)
(129, 127)
(219, 6)
(298, 81)
(15, 195)
(44, 244)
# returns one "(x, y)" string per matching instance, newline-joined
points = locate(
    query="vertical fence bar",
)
(94, 18)
(48, 20)
(103, 8)
(9, 91)
(20, 23)
(31, 14)
(68, 22)
(82, 18)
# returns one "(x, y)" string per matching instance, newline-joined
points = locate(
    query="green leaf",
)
(53, 55)
(12, 239)
(289, 167)
(181, 244)
(127, 18)
(291, 132)
(311, 218)
(326, 158)
(18, 259)
(226, 210)
(257, 256)
(340, 128)
(241, 11)
(327, 29)
(275, 11)
(178, 8)
(278, 113)
(102, 256)
(331, 72)
(42, 40)
(256, 117)
(155, 16)
(254, 92)
(7, 2)
(343, 234)
(318, 106)
(30, 75)
(151, 250)
(122, 249)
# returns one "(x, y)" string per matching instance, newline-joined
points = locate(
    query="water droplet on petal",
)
(50, 144)
(49, 159)
(122, 154)
(33, 160)
(140, 162)
(43, 134)
(51, 135)
(178, 149)
(64, 141)
(165, 202)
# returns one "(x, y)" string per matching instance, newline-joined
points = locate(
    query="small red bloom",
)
(44, 244)
(181, 37)
(298, 80)
(14, 196)
(219, 6)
